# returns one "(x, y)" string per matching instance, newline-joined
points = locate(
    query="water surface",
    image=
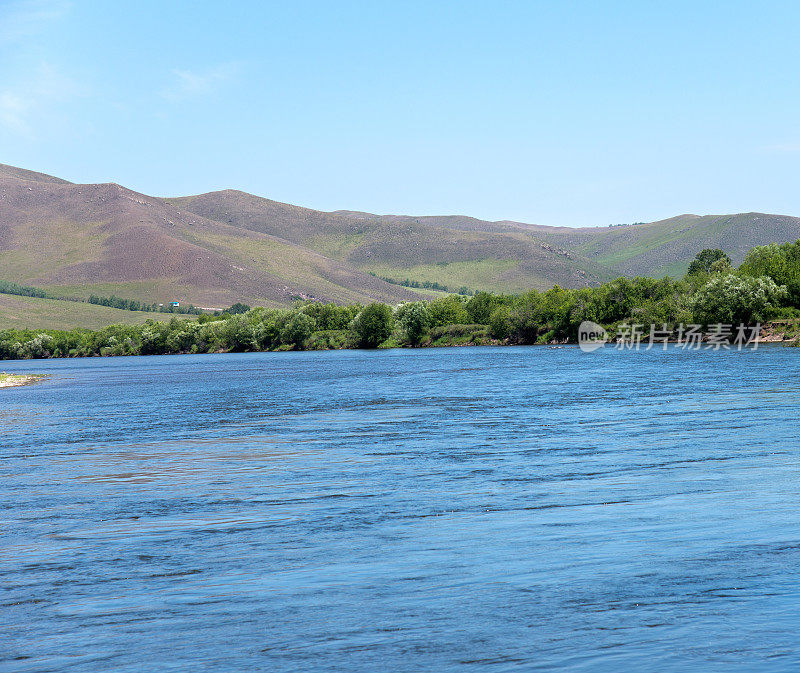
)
(472, 509)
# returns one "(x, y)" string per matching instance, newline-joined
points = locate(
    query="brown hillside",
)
(397, 245)
(226, 246)
(109, 238)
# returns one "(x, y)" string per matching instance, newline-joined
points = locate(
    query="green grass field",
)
(476, 275)
(34, 313)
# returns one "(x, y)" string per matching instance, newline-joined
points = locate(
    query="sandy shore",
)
(10, 380)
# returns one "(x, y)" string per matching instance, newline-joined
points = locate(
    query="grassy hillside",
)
(665, 248)
(215, 249)
(506, 256)
(105, 238)
(34, 313)
(440, 249)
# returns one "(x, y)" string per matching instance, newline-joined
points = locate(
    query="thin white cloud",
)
(782, 148)
(24, 106)
(13, 112)
(193, 83)
(23, 19)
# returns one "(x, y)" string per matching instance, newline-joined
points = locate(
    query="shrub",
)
(329, 340)
(733, 300)
(705, 260)
(373, 325)
(414, 319)
(449, 310)
(299, 328)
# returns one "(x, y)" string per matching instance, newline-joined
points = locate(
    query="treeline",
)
(7, 287)
(425, 284)
(765, 286)
(133, 305)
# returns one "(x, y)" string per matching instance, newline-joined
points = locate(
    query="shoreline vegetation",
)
(765, 288)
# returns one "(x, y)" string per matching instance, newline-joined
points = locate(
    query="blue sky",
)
(562, 113)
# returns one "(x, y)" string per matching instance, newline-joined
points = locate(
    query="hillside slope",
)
(34, 313)
(105, 239)
(502, 256)
(221, 247)
(666, 247)
(450, 250)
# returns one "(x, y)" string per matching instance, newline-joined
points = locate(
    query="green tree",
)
(373, 325)
(237, 334)
(779, 262)
(330, 316)
(480, 306)
(415, 319)
(733, 300)
(500, 322)
(449, 310)
(704, 260)
(298, 330)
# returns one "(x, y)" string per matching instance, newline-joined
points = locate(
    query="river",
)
(461, 509)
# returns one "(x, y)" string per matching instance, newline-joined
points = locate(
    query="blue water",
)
(472, 509)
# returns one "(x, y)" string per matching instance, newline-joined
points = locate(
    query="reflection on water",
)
(442, 509)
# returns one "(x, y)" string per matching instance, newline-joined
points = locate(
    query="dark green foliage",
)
(7, 287)
(298, 330)
(781, 263)
(373, 325)
(133, 305)
(705, 259)
(415, 319)
(449, 310)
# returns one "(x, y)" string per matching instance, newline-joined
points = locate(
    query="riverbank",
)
(13, 380)
(314, 326)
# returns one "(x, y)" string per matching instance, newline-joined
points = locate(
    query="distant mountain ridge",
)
(217, 248)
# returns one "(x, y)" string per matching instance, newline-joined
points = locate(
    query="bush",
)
(733, 300)
(329, 340)
(414, 319)
(455, 335)
(299, 328)
(373, 325)
(705, 261)
(449, 310)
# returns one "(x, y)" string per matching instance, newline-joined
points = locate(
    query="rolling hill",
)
(103, 239)
(502, 256)
(452, 251)
(218, 248)
(665, 248)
